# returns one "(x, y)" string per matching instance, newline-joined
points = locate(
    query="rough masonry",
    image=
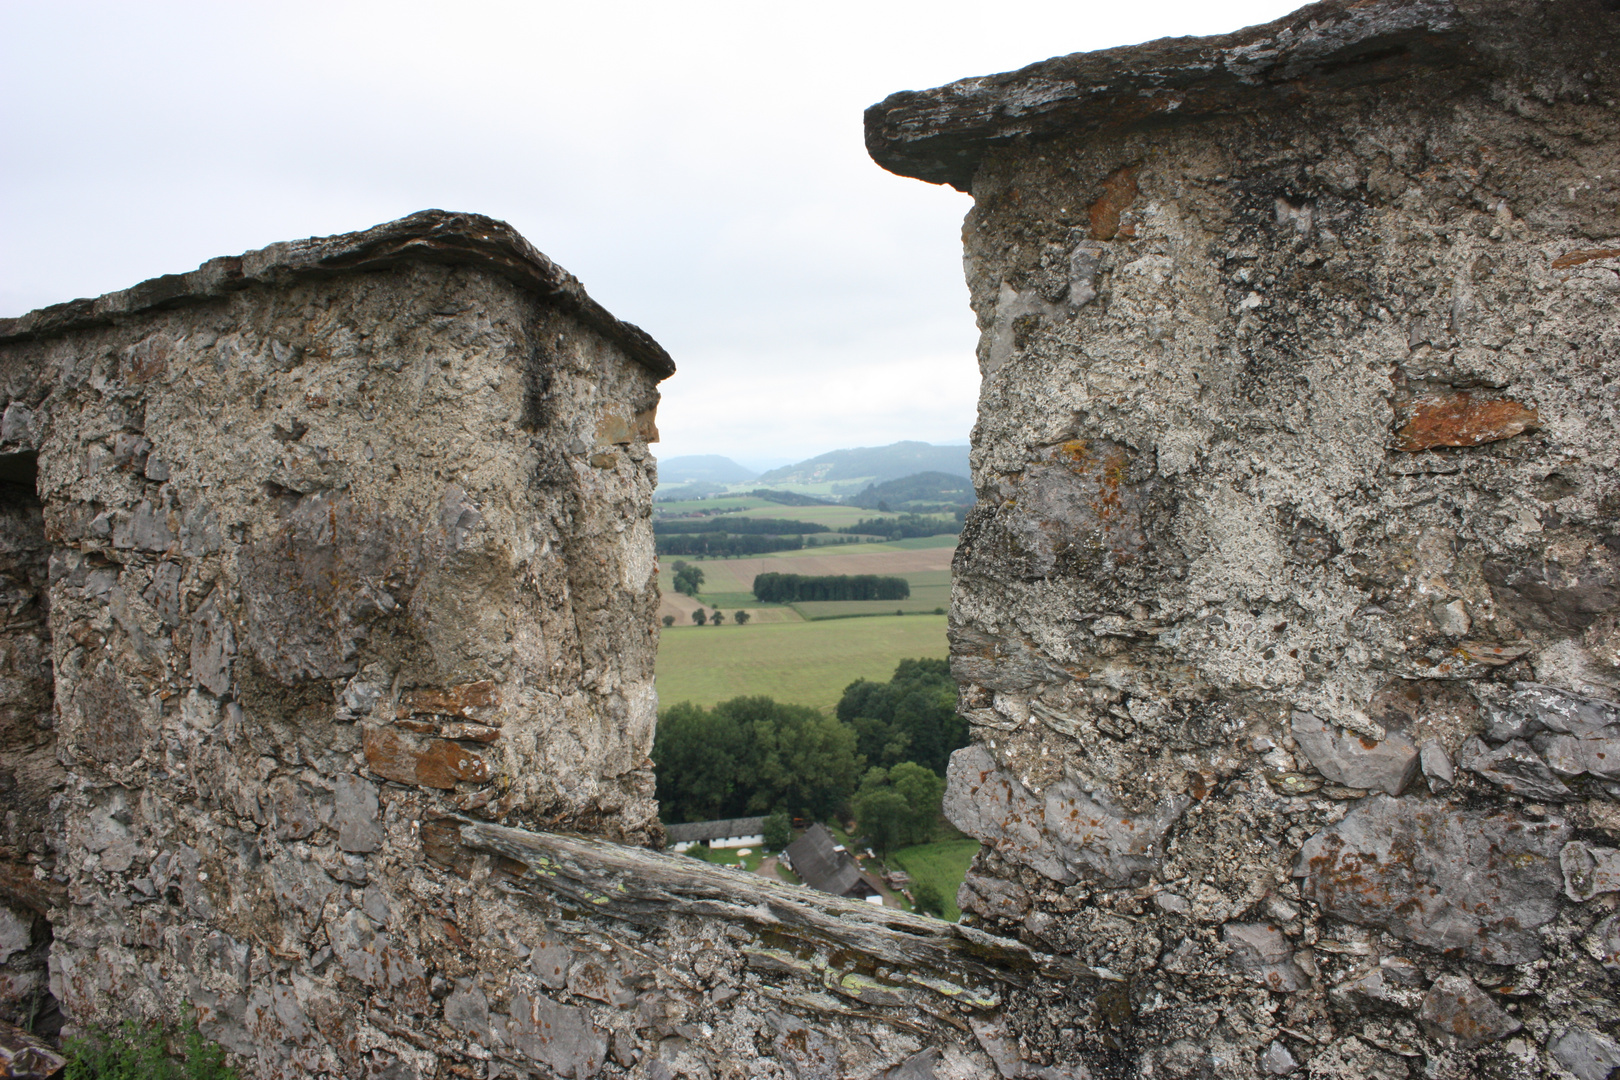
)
(327, 698)
(1288, 620)
(302, 549)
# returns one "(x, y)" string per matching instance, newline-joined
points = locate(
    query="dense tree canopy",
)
(882, 814)
(752, 755)
(899, 806)
(717, 545)
(912, 717)
(790, 588)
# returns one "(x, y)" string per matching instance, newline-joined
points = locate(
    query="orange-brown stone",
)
(1575, 258)
(436, 763)
(447, 701)
(442, 763)
(1459, 418)
(1119, 191)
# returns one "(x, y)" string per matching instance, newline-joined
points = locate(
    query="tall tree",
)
(882, 815)
(923, 791)
(912, 717)
(697, 755)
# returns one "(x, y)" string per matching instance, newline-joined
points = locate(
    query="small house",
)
(822, 863)
(727, 833)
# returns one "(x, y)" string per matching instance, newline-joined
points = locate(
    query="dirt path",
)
(768, 868)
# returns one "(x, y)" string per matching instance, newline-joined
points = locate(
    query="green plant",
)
(778, 831)
(135, 1051)
(928, 899)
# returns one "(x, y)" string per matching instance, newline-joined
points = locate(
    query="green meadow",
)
(942, 864)
(803, 663)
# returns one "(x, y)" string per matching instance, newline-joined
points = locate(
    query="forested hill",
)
(874, 463)
(933, 488)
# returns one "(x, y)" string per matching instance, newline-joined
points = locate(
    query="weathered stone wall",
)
(340, 535)
(332, 598)
(1287, 619)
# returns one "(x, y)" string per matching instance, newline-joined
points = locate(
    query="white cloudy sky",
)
(698, 165)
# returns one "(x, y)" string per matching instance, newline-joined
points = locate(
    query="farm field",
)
(728, 583)
(943, 863)
(737, 575)
(803, 663)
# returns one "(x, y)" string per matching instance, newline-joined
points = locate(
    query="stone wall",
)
(328, 695)
(339, 535)
(1287, 619)
(1286, 624)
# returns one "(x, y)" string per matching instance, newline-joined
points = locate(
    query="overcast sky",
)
(698, 165)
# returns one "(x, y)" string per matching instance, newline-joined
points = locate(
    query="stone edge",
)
(941, 135)
(436, 236)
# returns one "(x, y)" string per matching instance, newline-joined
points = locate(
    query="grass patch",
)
(730, 503)
(729, 857)
(942, 864)
(803, 663)
(731, 601)
(134, 1051)
(922, 543)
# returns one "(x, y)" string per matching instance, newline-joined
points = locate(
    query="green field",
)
(943, 863)
(803, 663)
(729, 857)
(692, 506)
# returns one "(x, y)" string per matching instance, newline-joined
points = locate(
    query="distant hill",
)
(703, 468)
(875, 464)
(931, 488)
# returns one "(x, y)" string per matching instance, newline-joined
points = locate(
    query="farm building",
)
(726, 833)
(821, 861)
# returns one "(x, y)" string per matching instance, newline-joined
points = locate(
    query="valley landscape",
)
(812, 654)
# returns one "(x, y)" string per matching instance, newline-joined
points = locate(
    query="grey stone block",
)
(1589, 1056)
(1263, 953)
(558, 1036)
(1457, 1010)
(1589, 871)
(356, 814)
(1345, 758)
(1277, 1061)
(1516, 767)
(1062, 833)
(1476, 884)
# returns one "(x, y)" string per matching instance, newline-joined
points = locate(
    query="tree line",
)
(737, 526)
(717, 545)
(904, 527)
(792, 588)
(754, 755)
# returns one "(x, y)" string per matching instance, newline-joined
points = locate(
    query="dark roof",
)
(436, 236)
(1322, 49)
(715, 830)
(820, 867)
